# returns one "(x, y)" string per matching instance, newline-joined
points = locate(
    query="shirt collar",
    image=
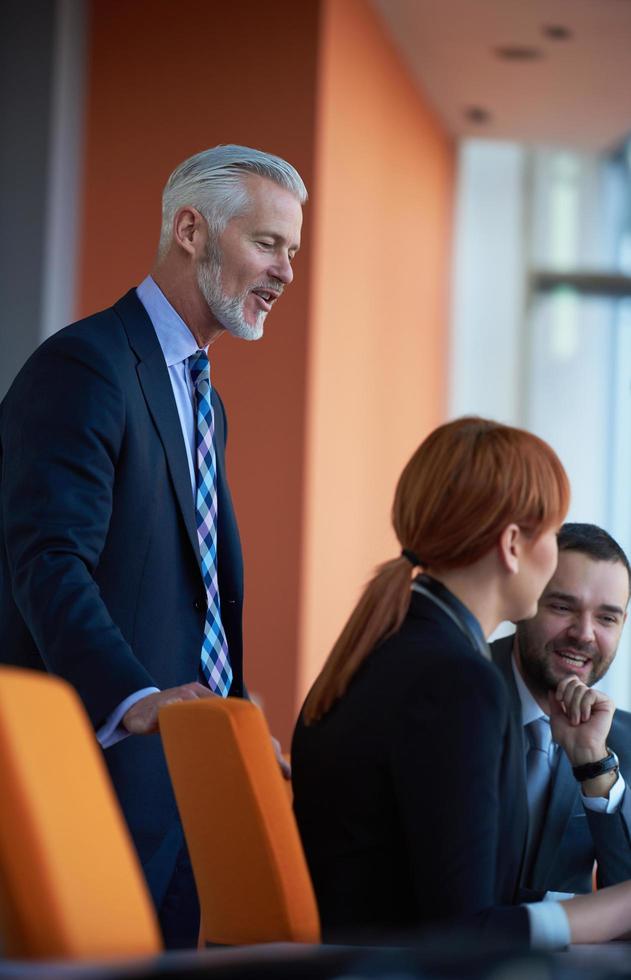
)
(175, 339)
(530, 710)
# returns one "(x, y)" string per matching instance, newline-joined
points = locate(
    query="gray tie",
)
(538, 770)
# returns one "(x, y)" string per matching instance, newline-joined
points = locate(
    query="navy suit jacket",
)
(405, 791)
(574, 837)
(100, 578)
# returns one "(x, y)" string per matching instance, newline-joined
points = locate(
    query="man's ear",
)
(189, 230)
(509, 548)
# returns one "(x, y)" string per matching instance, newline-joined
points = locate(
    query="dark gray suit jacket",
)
(574, 837)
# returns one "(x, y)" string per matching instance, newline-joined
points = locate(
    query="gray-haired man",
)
(576, 760)
(121, 562)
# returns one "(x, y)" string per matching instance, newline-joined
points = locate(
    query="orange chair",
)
(250, 869)
(70, 882)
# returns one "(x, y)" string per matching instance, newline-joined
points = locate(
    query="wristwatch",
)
(593, 769)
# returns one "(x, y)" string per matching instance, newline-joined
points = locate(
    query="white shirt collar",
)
(176, 340)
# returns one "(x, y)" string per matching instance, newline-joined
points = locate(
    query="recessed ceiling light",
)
(477, 114)
(518, 52)
(556, 32)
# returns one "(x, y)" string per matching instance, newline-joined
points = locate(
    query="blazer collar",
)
(452, 607)
(143, 339)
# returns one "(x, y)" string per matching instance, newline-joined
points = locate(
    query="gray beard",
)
(227, 310)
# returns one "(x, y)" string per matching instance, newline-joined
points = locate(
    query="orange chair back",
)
(70, 882)
(249, 865)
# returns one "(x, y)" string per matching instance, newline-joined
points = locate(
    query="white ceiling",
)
(578, 93)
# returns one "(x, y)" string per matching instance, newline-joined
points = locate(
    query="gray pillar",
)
(41, 82)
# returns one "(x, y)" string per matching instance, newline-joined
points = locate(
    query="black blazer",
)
(100, 578)
(405, 792)
(573, 837)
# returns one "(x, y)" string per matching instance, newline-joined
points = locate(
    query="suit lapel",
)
(563, 794)
(154, 380)
(161, 404)
(501, 654)
(563, 789)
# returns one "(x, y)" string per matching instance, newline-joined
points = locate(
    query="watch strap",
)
(593, 769)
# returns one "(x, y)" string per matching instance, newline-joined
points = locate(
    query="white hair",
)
(212, 182)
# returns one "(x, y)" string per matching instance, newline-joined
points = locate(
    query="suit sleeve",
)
(63, 429)
(611, 834)
(446, 759)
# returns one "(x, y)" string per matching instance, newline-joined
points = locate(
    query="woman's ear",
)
(509, 548)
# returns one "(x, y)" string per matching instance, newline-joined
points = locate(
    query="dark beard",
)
(539, 672)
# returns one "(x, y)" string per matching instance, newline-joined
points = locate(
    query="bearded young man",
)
(575, 761)
(121, 561)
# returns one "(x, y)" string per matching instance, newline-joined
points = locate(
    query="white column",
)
(488, 282)
(65, 165)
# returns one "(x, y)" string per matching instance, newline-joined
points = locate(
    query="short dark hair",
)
(594, 542)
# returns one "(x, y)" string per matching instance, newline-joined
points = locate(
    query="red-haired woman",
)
(408, 769)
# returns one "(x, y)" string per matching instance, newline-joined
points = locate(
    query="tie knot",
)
(199, 366)
(539, 734)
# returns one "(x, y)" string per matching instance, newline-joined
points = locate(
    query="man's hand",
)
(142, 717)
(285, 768)
(580, 719)
(283, 765)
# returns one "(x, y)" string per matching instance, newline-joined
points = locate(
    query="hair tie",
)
(411, 556)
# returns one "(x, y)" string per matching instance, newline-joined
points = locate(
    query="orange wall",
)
(168, 79)
(350, 374)
(377, 361)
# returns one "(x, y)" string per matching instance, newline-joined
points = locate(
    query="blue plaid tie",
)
(215, 663)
